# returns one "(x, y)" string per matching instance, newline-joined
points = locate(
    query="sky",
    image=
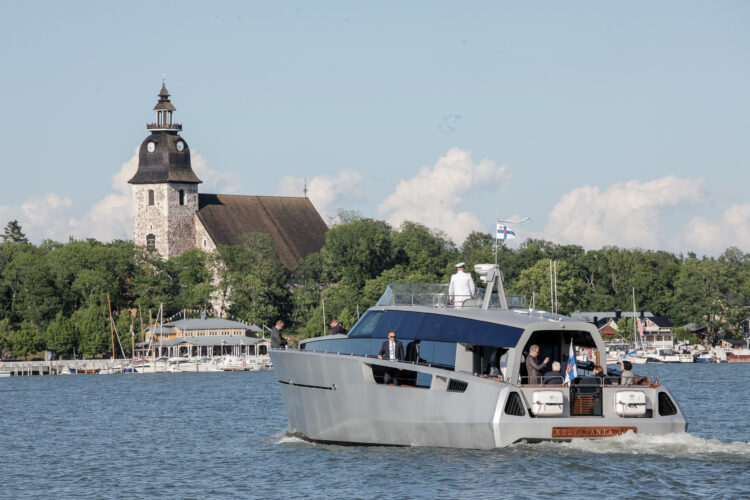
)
(606, 123)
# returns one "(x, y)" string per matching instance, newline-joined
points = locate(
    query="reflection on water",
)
(224, 435)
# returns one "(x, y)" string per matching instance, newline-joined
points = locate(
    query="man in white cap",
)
(461, 287)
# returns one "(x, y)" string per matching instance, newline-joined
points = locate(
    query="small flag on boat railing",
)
(503, 233)
(571, 371)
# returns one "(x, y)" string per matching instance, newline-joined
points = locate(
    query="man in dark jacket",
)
(277, 341)
(535, 369)
(555, 376)
(337, 328)
(394, 350)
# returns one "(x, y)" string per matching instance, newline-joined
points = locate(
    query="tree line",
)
(57, 296)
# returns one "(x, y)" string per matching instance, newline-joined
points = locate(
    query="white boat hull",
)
(334, 398)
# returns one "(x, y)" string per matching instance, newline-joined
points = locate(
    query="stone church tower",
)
(165, 188)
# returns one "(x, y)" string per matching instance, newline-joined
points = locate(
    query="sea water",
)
(223, 435)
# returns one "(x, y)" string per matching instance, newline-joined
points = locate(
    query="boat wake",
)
(682, 445)
(293, 438)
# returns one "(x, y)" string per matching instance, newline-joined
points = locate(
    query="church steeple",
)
(164, 110)
(164, 156)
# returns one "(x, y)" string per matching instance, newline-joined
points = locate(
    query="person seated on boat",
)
(337, 328)
(393, 350)
(277, 341)
(554, 376)
(599, 373)
(461, 287)
(534, 368)
(626, 377)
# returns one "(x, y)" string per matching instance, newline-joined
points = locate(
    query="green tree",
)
(192, 272)
(26, 340)
(423, 250)
(359, 250)
(253, 280)
(92, 324)
(26, 278)
(536, 280)
(62, 335)
(13, 234)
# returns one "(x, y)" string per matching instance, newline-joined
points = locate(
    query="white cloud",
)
(434, 195)
(49, 216)
(325, 192)
(626, 214)
(214, 181)
(715, 236)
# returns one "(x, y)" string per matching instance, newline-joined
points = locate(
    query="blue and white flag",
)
(630, 353)
(503, 233)
(571, 371)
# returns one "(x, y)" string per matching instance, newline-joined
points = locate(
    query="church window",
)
(150, 240)
(182, 197)
(204, 242)
(151, 197)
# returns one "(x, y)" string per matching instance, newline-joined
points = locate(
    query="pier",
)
(127, 366)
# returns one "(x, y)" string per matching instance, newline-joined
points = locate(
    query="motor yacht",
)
(463, 382)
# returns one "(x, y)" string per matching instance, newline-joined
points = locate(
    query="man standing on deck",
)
(461, 287)
(277, 341)
(534, 369)
(393, 350)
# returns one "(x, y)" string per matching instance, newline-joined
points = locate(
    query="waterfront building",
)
(172, 216)
(203, 337)
(657, 330)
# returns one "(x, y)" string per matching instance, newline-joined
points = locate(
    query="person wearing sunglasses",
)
(393, 350)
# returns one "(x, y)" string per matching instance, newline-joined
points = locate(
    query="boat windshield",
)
(436, 295)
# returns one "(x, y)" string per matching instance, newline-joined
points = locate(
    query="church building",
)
(172, 216)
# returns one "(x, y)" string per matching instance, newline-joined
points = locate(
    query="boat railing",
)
(437, 296)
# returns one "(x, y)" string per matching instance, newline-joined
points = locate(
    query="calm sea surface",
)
(224, 435)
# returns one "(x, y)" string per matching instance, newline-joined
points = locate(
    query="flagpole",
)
(496, 222)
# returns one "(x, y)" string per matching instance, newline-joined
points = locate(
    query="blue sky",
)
(623, 123)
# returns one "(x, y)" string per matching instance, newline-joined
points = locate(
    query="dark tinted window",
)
(366, 324)
(666, 405)
(408, 325)
(388, 322)
(447, 328)
(438, 353)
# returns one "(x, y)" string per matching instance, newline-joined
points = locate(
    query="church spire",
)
(164, 110)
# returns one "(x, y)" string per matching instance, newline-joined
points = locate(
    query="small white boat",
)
(704, 357)
(664, 356)
(4, 373)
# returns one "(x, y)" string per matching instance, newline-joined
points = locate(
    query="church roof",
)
(165, 163)
(293, 223)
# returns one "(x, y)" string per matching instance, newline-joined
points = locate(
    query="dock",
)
(126, 366)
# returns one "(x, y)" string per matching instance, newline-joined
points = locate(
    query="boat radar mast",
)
(491, 274)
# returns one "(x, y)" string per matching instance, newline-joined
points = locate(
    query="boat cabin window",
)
(366, 324)
(437, 327)
(555, 346)
(490, 361)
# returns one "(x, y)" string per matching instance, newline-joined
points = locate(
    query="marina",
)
(104, 437)
(138, 366)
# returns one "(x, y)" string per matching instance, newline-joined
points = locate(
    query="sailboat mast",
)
(635, 328)
(111, 326)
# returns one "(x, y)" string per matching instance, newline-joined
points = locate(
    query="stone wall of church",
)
(181, 233)
(150, 220)
(202, 240)
(165, 224)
